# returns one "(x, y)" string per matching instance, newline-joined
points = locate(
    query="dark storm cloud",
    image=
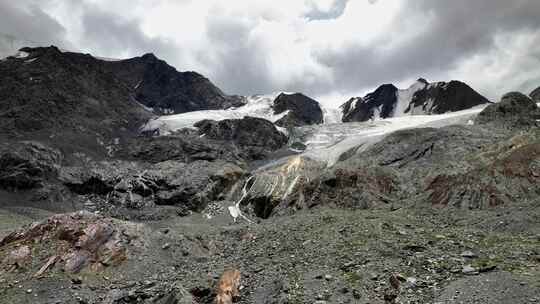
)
(460, 29)
(113, 34)
(25, 22)
(335, 11)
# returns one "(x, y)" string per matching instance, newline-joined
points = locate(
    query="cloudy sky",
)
(329, 49)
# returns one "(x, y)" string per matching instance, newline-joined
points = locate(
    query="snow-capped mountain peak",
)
(421, 98)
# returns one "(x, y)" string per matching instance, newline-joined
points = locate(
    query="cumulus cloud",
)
(321, 47)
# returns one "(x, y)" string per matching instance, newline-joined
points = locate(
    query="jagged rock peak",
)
(149, 57)
(378, 104)
(422, 80)
(535, 95)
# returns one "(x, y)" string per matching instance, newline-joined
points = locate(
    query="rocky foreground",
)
(95, 211)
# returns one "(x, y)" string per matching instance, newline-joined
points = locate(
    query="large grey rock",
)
(234, 140)
(515, 110)
(26, 165)
(127, 185)
(267, 190)
(302, 110)
(245, 132)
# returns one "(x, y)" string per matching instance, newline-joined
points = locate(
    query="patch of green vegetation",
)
(352, 277)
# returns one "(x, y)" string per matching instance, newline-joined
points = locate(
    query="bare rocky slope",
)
(93, 211)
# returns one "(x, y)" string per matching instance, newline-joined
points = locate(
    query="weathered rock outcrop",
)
(237, 140)
(245, 132)
(267, 190)
(117, 187)
(302, 110)
(515, 110)
(76, 241)
(27, 165)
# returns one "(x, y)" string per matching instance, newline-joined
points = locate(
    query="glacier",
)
(256, 106)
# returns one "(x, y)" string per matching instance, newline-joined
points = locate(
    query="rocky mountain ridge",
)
(421, 98)
(410, 208)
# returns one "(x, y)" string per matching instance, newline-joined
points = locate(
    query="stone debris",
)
(83, 239)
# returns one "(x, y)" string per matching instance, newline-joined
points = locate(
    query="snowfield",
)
(257, 106)
(327, 142)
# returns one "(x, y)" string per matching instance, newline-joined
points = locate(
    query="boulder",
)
(514, 111)
(27, 165)
(246, 132)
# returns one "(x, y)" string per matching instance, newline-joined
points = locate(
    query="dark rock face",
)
(515, 110)
(160, 86)
(186, 147)
(27, 165)
(234, 140)
(248, 131)
(535, 95)
(382, 101)
(421, 98)
(130, 186)
(50, 93)
(302, 110)
(443, 97)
